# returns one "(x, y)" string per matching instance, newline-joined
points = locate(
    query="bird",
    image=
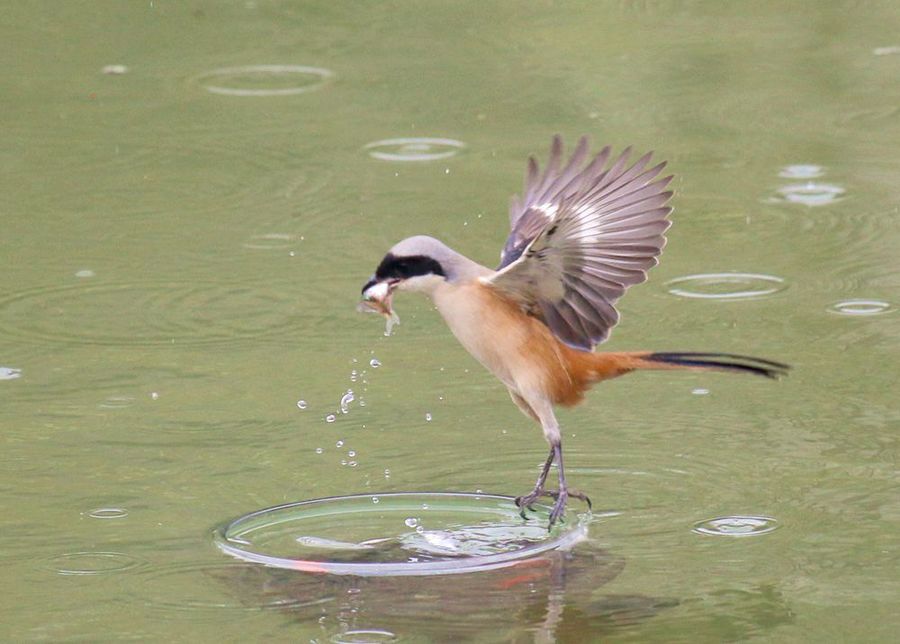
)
(582, 232)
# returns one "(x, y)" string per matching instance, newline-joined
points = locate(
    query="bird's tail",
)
(610, 365)
(700, 362)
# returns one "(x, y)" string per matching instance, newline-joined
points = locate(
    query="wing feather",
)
(581, 234)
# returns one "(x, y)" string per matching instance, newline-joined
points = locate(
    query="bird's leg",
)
(543, 409)
(526, 500)
(564, 492)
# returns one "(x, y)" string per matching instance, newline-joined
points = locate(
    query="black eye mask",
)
(393, 267)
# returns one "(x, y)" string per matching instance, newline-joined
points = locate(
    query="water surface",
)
(193, 194)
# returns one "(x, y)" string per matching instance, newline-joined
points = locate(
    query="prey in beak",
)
(377, 296)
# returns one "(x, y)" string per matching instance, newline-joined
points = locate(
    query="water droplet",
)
(726, 286)
(414, 149)
(411, 522)
(427, 417)
(154, 395)
(108, 513)
(861, 307)
(339, 444)
(8, 373)
(85, 273)
(387, 473)
(343, 461)
(346, 399)
(319, 450)
(251, 80)
(700, 391)
(810, 193)
(352, 463)
(802, 171)
(330, 418)
(374, 363)
(420, 529)
(424, 506)
(736, 526)
(354, 376)
(374, 499)
(351, 453)
(302, 404)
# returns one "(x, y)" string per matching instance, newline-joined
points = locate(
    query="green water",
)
(181, 266)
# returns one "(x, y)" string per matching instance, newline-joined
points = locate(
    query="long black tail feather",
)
(725, 361)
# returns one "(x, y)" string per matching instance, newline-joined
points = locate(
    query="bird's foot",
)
(526, 501)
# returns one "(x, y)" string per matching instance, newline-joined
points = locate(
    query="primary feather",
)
(581, 234)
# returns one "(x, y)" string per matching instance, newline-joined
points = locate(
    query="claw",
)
(558, 508)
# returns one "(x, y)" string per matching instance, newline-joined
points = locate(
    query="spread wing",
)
(581, 235)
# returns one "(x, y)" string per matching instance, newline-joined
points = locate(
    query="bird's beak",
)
(372, 282)
(377, 297)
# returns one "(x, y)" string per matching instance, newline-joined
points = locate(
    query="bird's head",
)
(416, 264)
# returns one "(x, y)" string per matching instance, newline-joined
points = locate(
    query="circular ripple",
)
(108, 513)
(371, 534)
(414, 149)
(93, 563)
(726, 286)
(364, 636)
(802, 171)
(861, 307)
(151, 313)
(736, 526)
(264, 80)
(811, 193)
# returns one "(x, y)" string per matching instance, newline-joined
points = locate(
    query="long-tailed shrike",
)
(582, 233)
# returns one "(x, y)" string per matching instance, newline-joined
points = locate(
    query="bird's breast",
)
(516, 348)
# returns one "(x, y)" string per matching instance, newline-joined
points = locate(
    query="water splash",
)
(9, 373)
